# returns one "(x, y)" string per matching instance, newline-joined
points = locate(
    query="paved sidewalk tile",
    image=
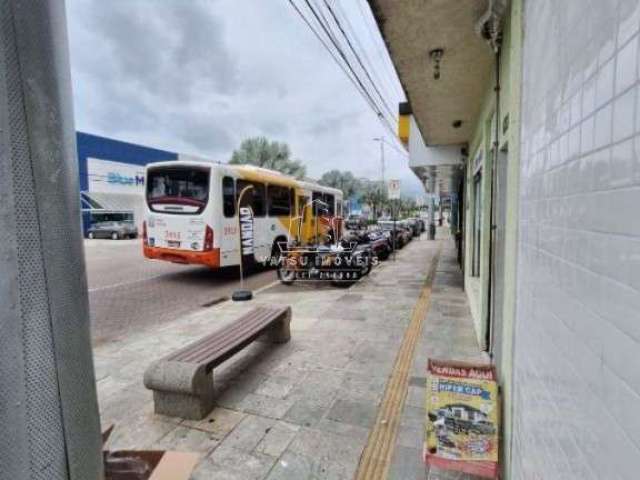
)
(447, 334)
(303, 409)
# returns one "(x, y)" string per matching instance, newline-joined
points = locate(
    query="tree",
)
(344, 181)
(273, 155)
(374, 194)
(406, 206)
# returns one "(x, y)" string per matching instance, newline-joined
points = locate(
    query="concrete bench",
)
(182, 382)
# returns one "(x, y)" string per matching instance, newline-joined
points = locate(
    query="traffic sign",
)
(393, 189)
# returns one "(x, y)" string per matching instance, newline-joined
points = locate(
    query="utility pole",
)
(381, 140)
(431, 190)
(382, 158)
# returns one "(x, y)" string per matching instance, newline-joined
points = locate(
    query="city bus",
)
(192, 215)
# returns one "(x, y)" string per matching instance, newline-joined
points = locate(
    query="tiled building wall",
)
(577, 333)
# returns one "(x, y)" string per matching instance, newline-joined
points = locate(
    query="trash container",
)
(432, 231)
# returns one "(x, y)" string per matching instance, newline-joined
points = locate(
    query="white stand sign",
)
(393, 189)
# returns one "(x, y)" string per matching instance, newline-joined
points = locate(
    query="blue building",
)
(112, 177)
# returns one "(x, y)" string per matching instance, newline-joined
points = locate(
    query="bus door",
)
(228, 235)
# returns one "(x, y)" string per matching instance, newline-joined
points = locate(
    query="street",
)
(129, 293)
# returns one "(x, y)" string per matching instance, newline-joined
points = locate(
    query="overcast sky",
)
(198, 76)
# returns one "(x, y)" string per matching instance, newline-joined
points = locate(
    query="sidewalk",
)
(305, 409)
(447, 334)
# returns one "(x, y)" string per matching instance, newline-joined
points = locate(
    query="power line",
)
(395, 147)
(384, 85)
(385, 62)
(350, 73)
(326, 46)
(359, 60)
(335, 43)
(360, 86)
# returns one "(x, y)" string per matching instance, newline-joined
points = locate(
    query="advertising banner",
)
(462, 422)
(246, 233)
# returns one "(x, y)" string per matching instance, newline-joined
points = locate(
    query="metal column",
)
(48, 405)
(430, 185)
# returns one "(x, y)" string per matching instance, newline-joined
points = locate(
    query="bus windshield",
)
(178, 189)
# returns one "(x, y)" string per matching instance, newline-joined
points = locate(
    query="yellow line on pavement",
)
(376, 457)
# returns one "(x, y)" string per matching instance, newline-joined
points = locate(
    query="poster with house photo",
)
(462, 418)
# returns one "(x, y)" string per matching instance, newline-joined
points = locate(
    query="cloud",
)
(199, 76)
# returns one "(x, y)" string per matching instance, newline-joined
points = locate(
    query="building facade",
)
(577, 330)
(534, 124)
(112, 177)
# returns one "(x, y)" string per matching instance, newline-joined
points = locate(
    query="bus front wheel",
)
(276, 252)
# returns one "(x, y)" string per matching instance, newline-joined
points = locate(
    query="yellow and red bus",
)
(191, 213)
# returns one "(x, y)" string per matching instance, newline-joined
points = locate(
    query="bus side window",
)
(330, 201)
(254, 198)
(292, 201)
(278, 200)
(228, 197)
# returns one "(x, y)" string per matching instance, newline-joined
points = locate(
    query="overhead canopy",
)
(414, 28)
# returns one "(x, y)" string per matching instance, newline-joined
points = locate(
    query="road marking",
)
(133, 282)
(124, 284)
(269, 285)
(376, 457)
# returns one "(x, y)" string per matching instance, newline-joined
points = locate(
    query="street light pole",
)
(381, 140)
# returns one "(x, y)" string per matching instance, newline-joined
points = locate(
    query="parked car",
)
(407, 226)
(374, 239)
(407, 233)
(414, 223)
(402, 235)
(113, 230)
(355, 222)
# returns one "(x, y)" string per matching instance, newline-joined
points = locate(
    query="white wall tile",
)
(622, 164)
(626, 65)
(604, 84)
(587, 134)
(623, 114)
(577, 326)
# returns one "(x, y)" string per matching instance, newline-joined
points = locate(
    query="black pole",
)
(394, 230)
(490, 333)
